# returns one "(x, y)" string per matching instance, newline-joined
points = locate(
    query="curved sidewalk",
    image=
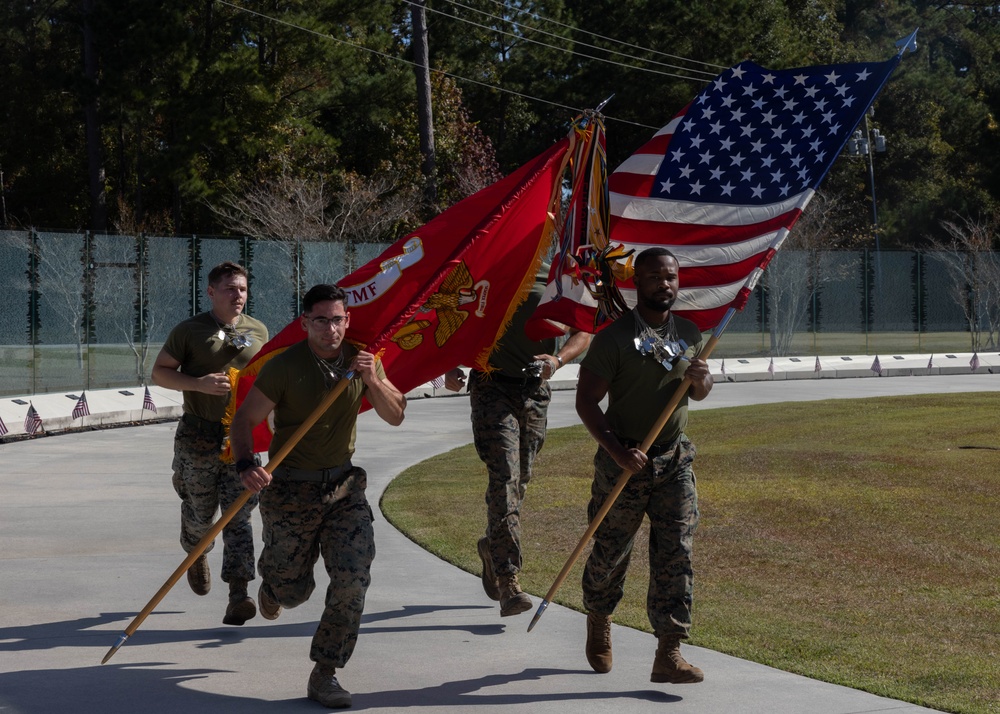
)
(88, 523)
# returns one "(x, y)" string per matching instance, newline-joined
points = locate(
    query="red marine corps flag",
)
(720, 186)
(445, 294)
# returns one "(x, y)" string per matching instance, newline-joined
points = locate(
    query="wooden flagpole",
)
(657, 427)
(224, 519)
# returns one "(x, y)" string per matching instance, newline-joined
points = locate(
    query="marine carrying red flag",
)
(720, 186)
(443, 295)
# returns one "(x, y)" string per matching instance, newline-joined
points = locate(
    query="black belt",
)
(205, 426)
(331, 475)
(653, 451)
(505, 379)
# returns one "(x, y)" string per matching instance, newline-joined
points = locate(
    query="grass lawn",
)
(856, 542)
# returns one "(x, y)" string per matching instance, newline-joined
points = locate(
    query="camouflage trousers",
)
(665, 490)
(304, 520)
(205, 484)
(508, 426)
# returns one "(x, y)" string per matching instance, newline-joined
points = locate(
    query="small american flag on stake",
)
(723, 368)
(81, 409)
(877, 366)
(147, 401)
(770, 367)
(974, 362)
(818, 367)
(930, 363)
(3, 428)
(32, 422)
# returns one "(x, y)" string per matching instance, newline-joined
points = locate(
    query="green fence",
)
(88, 311)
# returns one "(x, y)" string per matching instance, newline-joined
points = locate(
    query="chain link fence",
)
(90, 311)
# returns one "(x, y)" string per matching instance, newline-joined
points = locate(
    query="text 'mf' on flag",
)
(722, 183)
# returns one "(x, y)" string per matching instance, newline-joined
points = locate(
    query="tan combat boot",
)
(670, 667)
(241, 606)
(199, 577)
(512, 600)
(599, 642)
(269, 607)
(324, 688)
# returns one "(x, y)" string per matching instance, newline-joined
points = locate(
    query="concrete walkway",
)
(88, 522)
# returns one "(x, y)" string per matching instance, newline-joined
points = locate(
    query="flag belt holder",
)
(653, 451)
(505, 379)
(325, 476)
(205, 426)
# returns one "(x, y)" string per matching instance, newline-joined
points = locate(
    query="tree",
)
(796, 275)
(974, 265)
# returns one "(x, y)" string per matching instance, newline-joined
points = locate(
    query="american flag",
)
(32, 422)
(974, 362)
(770, 367)
(877, 366)
(81, 409)
(818, 367)
(147, 401)
(438, 382)
(930, 363)
(723, 368)
(722, 183)
(3, 428)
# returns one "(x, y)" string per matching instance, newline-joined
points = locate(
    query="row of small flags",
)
(33, 422)
(876, 365)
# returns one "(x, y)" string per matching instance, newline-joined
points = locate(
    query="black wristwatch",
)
(244, 464)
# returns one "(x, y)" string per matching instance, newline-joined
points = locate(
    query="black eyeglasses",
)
(325, 322)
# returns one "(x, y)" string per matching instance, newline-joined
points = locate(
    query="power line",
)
(708, 75)
(386, 55)
(562, 49)
(603, 37)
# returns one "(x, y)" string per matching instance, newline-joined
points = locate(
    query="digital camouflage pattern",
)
(508, 426)
(205, 484)
(303, 520)
(666, 491)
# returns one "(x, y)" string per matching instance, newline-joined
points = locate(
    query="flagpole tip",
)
(538, 614)
(117, 646)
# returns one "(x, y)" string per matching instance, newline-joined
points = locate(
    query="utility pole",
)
(92, 130)
(866, 143)
(425, 116)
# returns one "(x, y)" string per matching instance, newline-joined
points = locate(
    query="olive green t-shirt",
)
(639, 385)
(515, 350)
(294, 382)
(196, 344)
